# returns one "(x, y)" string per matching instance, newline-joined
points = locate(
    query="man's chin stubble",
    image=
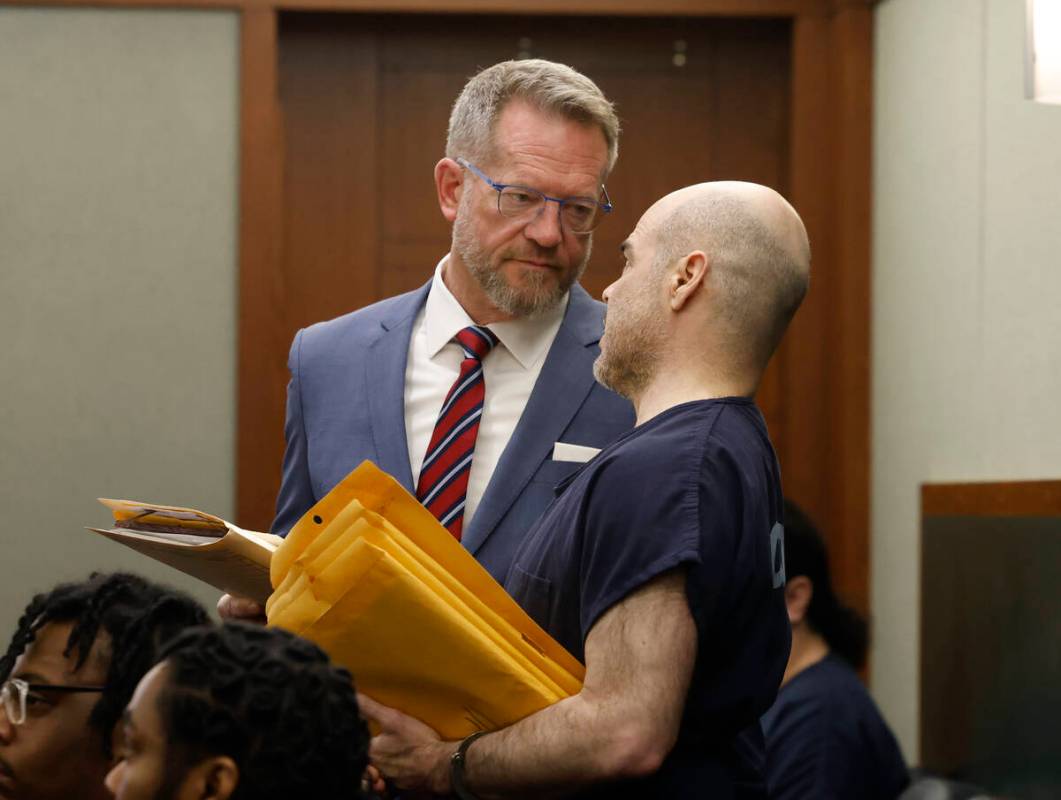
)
(610, 378)
(526, 302)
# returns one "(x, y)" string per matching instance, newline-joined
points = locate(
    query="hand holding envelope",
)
(373, 578)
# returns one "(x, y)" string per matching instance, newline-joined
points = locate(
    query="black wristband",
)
(456, 767)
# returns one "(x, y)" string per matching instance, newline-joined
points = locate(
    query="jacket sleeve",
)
(296, 490)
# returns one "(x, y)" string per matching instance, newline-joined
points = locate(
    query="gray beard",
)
(532, 301)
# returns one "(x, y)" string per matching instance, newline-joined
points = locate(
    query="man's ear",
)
(798, 594)
(449, 183)
(213, 778)
(687, 278)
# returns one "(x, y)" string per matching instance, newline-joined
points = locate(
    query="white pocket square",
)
(562, 451)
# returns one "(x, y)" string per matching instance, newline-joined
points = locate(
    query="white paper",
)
(579, 453)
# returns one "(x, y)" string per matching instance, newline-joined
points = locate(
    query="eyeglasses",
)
(15, 691)
(577, 214)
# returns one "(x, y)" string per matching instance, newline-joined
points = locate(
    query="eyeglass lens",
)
(13, 700)
(579, 216)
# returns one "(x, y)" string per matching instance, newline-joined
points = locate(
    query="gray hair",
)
(551, 87)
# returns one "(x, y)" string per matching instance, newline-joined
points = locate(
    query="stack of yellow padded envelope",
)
(373, 578)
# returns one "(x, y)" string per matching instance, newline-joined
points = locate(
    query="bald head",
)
(757, 250)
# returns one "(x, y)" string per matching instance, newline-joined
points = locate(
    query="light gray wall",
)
(966, 291)
(118, 212)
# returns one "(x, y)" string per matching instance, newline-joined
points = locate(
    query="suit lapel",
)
(384, 364)
(565, 380)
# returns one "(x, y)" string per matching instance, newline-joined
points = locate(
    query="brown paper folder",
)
(392, 596)
(196, 543)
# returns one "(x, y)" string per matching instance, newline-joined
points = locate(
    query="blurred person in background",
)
(825, 738)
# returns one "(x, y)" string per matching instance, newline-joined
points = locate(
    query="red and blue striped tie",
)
(443, 479)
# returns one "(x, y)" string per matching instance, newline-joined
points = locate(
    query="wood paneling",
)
(804, 353)
(263, 297)
(990, 645)
(825, 450)
(661, 8)
(720, 8)
(848, 369)
(1016, 499)
(333, 168)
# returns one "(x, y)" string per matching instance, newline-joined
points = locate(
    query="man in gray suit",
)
(530, 145)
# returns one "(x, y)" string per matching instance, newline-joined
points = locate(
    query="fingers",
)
(375, 780)
(370, 708)
(242, 609)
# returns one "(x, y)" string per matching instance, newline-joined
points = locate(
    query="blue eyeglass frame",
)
(606, 206)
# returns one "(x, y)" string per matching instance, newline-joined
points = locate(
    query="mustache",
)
(547, 257)
(5, 769)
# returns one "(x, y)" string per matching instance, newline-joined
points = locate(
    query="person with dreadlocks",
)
(825, 738)
(242, 712)
(71, 667)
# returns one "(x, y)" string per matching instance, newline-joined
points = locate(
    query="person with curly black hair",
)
(825, 738)
(242, 712)
(71, 666)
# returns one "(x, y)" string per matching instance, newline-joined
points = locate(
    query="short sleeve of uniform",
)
(643, 515)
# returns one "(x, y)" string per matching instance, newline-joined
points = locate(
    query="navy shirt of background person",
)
(826, 739)
(698, 485)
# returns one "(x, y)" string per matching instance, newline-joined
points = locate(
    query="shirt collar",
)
(526, 339)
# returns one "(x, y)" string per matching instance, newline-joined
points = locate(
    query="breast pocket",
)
(533, 593)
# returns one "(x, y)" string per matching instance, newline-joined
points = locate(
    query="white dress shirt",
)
(510, 371)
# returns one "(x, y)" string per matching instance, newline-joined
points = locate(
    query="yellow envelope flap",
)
(376, 491)
(305, 598)
(327, 564)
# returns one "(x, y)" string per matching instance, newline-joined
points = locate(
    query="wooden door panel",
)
(651, 162)
(752, 106)
(331, 209)
(407, 265)
(414, 111)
